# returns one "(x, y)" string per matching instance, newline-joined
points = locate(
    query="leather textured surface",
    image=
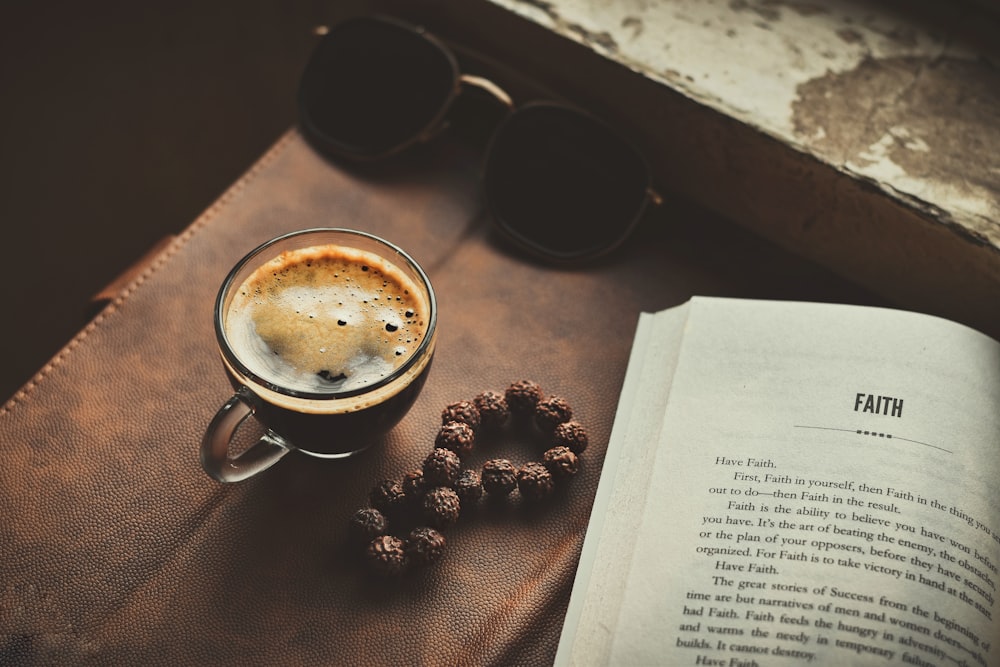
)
(116, 548)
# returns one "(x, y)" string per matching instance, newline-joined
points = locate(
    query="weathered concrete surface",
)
(863, 135)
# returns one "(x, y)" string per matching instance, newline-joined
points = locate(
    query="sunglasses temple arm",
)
(488, 86)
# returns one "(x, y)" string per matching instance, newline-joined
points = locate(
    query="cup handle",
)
(257, 458)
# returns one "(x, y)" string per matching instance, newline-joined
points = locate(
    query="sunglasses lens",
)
(562, 183)
(372, 86)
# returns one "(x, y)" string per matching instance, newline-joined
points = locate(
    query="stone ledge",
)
(862, 136)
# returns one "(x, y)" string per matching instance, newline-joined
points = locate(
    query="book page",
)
(824, 491)
(621, 497)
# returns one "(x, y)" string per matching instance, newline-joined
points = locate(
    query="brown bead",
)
(462, 411)
(493, 409)
(456, 436)
(387, 555)
(522, 396)
(441, 467)
(424, 545)
(469, 487)
(552, 411)
(387, 496)
(571, 434)
(441, 507)
(366, 524)
(499, 477)
(534, 481)
(561, 461)
(413, 484)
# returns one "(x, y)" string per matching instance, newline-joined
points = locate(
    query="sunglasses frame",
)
(438, 123)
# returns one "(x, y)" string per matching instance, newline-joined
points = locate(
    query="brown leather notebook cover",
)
(116, 548)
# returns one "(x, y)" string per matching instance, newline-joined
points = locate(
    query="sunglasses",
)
(556, 180)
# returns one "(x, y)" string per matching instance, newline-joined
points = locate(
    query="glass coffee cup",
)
(326, 336)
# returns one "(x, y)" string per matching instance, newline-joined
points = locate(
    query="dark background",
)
(120, 123)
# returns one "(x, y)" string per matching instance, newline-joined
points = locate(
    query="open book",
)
(796, 483)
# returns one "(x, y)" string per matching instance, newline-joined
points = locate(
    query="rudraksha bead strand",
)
(441, 490)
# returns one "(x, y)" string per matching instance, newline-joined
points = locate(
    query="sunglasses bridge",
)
(472, 81)
(504, 98)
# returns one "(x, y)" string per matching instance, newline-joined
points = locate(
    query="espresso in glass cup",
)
(326, 336)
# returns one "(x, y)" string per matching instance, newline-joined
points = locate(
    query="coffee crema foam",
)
(326, 319)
